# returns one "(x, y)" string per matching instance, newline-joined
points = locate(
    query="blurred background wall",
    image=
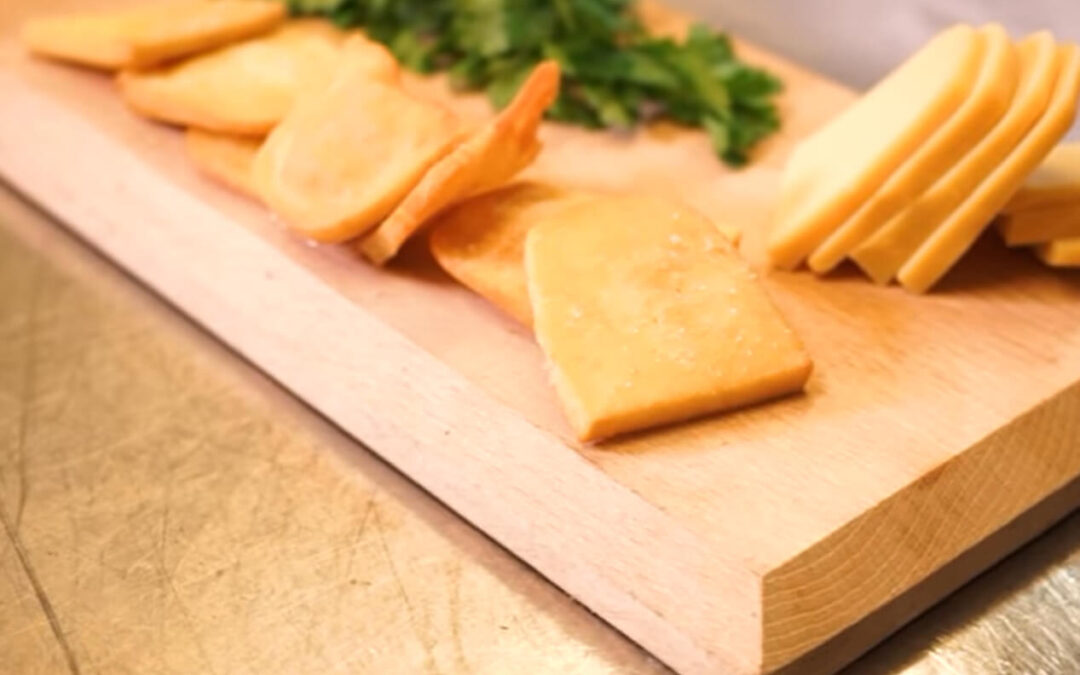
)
(858, 41)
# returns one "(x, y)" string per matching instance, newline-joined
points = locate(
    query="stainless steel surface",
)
(1023, 616)
(140, 459)
(164, 508)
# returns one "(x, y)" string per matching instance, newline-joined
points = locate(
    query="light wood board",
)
(739, 543)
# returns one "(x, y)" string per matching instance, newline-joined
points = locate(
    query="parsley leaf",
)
(614, 73)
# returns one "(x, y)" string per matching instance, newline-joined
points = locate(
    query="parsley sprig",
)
(614, 73)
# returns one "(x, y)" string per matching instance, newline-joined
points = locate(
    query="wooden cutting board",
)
(936, 434)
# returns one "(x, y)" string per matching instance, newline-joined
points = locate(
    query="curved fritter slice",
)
(244, 88)
(648, 316)
(481, 241)
(488, 159)
(344, 157)
(225, 158)
(146, 36)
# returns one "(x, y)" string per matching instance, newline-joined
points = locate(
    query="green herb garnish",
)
(614, 73)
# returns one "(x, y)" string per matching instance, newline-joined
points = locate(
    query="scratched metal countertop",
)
(167, 509)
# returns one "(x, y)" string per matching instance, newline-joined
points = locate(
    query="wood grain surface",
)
(479, 610)
(741, 542)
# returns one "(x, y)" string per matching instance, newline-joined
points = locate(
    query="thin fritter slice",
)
(344, 157)
(831, 173)
(882, 255)
(1055, 183)
(149, 35)
(986, 102)
(1060, 253)
(245, 88)
(648, 316)
(485, 161)
(948, 243)
(227, 159)
(1040, 226)
(481, 241)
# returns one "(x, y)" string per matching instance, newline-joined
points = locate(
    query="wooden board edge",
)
(654, 580)
(946, 513)
(848, 645)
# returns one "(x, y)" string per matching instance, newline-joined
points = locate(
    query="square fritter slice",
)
(245, 88)
(648, 316)
(148, 35)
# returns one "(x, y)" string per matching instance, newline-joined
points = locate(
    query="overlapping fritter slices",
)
(150, 35)
(481, 241)
(244, 88)
(487, 160)
(345, 156)
(227, 159)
